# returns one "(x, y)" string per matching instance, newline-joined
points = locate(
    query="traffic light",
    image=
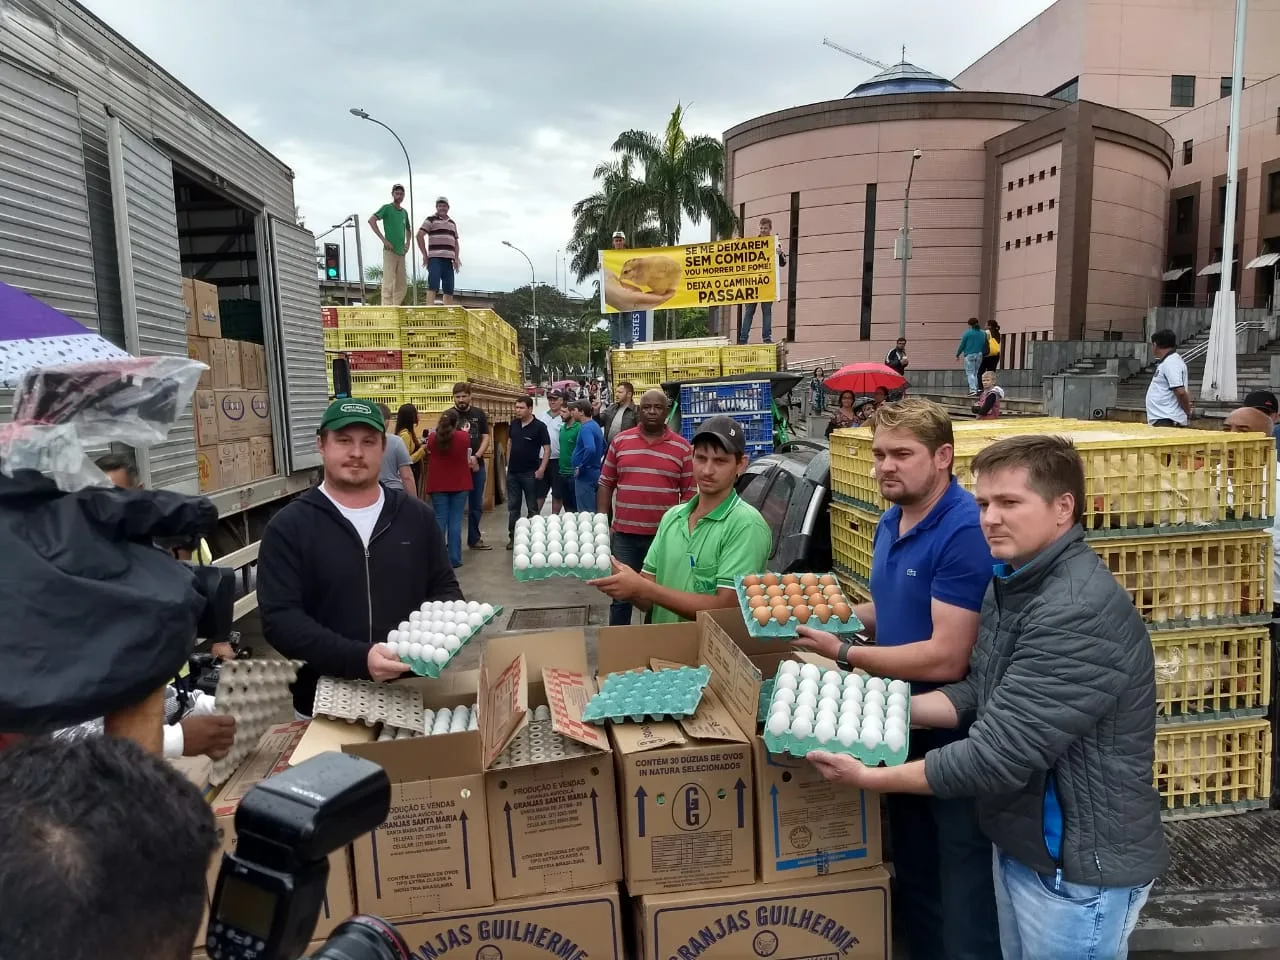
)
(332, 261)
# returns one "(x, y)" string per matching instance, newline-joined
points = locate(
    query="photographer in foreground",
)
(346, 561)
(105, 853)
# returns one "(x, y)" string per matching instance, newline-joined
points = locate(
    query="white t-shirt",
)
(364, 519)
(554, 423)
(1162, 403)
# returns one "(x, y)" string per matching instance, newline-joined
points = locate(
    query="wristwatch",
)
(842, 655)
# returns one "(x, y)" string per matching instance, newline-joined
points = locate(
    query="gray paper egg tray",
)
(539, 743)
(648, 695)
(434, 723)
(256, 693)
(370, 702)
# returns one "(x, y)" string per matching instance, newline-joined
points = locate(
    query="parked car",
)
(791, 488)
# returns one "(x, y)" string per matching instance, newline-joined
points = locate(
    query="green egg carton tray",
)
(648, 695)
(787, 631)
(871, 756)
(546, 573)
(424, 668)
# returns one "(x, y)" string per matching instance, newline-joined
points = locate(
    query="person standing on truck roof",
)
(1061, 692)
(766, 307)
(703, 545)
(342, 564)
(476, 422)
(438, 243)
(394, 235)
(930, 568)
(650, 469)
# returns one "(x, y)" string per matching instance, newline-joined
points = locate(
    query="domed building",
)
(903, 78)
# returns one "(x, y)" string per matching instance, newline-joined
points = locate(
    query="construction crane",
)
(828, 42)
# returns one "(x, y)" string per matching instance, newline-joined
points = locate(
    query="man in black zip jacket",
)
(348, 560)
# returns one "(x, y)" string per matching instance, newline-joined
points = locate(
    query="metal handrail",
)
(1197, 350)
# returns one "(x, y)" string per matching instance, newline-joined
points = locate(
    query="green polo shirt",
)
(731, 541)
(395, 224)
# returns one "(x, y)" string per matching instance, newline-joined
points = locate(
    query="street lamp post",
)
(533, 291)
(357, 112)
(902, 250)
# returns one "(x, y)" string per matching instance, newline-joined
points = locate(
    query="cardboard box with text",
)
(258, 413)
(845, 916)
(685, 792)
(805, 826)
(251, 366)
(553, 823)
(189, 306)
(204, 410)
(208, 315)
(208, 468)
(198, 349)
(576, 925)
(218, 364)
(232, 407)
(234, 373)
(262, 458)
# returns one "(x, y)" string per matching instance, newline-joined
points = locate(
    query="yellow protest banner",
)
(723, 272)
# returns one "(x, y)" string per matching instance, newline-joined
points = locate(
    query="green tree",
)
(564, 327)
(595, 220)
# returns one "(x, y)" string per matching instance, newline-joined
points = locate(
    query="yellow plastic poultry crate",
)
(418, 382)
(1213, 769)
(430, 404)
(367, 318)
(754, 358)
(853, 531)
(381, 382)
(437, 318)
(332, 338)
(1212, 673)
(1194, 581)
(854, 589)
(434, 338)
(432, 361)
(1136, 479)
(362, 339)
(392, 400)
(643, 368)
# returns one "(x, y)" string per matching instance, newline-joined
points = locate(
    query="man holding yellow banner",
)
(720, 273)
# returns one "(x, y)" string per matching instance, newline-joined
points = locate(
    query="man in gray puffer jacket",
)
(1060, 755)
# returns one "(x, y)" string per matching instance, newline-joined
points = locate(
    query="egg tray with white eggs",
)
(775, 604)
(561, 545)
(434, 633)
(865, 717)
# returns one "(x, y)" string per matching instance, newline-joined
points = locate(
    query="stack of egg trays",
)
(256, 693)
(787, 631)
(424, 668)
(538, 742)
(546, 573)
(369, 702)
(433, 727)
(786, 743)
(766, 698)
(642, 695)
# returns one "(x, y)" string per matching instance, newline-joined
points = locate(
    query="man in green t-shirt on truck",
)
(394, 234)
(568, 440)
(702, 545)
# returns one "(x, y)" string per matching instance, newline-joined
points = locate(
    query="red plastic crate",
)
(329, 318)
(367, 360)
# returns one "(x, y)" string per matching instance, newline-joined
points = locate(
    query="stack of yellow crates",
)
(416, 354)
(1182, 519)
(650, 366)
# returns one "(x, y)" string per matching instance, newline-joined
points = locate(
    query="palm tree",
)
(594, 223)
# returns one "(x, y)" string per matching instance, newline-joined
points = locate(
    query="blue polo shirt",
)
(943, 557)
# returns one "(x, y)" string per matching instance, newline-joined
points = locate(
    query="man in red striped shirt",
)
(650, 468)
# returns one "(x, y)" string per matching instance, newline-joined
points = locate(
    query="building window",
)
(1226, 139)
(1224, 86)
(1053, 171)
(1007, 244)
(868, 261)
(1051, 203)
(1049, 236)
(1028, 239)
(1009, 215)
(1184, 209)
(1019, 213)
(1273, 193)
(793, 246)
(1182, 90)
(1187, 150)
(1010, 185)
(1030, 209)
(1069, 91)
(1018, 243)
(1040, 207)
(1277, 119)
(1041, 174)
(1039, 238)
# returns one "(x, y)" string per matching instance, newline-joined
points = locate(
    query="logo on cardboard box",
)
(260, 405)
(205, 468)
(233, 407)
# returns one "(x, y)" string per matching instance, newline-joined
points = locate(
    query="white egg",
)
(784, 695)
(416, 635)
(393, 636)
(807, 699)
(851, 695)
(895, 739)
(899, 713)
(826, 710)
(522, 561)
(807, 685)
(404, 625)
(415, 650)
(830, 691)
(833, 676)
(414, 617)
(441, 655)
(893, 723)
(474, 619)
(428, 651)
(601, 539)
(847, 734)
(809, 672)
(804, 710)
(449, 643)
(823, 730)
(438, 639)
(437, 604)
(570, 559)
(789, 667)
(871, 738)
(604, 561)
(853, 680)
(787, 680)
(778, 724)
(522, 523)
(851, 709)
(875, 683)
(486, 610)
(871, 725)
(801, 728)
(538, 560)
(896, 699)
(873, 697)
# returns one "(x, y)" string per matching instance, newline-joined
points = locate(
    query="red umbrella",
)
(865, 377)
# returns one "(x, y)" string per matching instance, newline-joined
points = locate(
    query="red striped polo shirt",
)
(648, 477)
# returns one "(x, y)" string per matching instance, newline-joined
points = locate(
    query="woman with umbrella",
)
(850, 412)
(864, 379)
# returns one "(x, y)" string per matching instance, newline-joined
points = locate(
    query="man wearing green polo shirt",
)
(394, 234)
(701, 545)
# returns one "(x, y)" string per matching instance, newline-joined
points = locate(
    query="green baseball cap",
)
(349, 412)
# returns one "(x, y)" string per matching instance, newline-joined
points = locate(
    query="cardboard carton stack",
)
(232, 405)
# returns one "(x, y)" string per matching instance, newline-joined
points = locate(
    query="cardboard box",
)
(198, 349)
(581, 924)
(273, 756)
(262, 458)
(244, 464)
(685, 792)
(258, 414)
(251, 366)
(208, 318)
(553, 825)
(189, 306)
(234, 374)
(432, 853)
(204, 410)
(805, 826)
(845, 916)
(218, 364)
(234, 464)
(210, 470)
(232, 408)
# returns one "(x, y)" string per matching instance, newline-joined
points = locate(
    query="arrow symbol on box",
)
(511, 838)
(640, 795)
(741, 788)
(466, 849)
(595, 822)
(777, 834)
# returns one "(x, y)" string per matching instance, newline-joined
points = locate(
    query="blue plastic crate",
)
(755, 450)
(706, 399)
(756, 427)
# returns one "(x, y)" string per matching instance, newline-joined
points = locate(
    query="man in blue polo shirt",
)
(930, 569)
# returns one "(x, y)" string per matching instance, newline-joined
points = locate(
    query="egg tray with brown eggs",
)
(775, 604)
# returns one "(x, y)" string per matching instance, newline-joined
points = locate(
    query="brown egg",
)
(842, 611)
(769, 579)
(800, 612)
(822, 613)
(773, 591)
(827, 580)
(834, 598)
(813, 597)
(793, 590)
(788, 578)
(762, 615)
(781, 614)
(755, 603)
(750, 580)
(755, 590)
(809, 579)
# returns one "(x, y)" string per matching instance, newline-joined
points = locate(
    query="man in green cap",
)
(344, 563)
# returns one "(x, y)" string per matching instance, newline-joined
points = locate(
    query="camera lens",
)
(364, 938)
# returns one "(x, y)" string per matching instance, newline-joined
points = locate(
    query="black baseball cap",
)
(349, 412)
(726, 430)
(1263, 400)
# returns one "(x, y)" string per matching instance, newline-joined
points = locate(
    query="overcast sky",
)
(506, 106)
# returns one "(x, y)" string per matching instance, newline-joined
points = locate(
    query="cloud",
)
(507, 106)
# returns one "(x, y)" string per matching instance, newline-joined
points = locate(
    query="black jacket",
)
(325, 599)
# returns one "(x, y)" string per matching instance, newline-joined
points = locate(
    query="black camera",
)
(270, 891)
